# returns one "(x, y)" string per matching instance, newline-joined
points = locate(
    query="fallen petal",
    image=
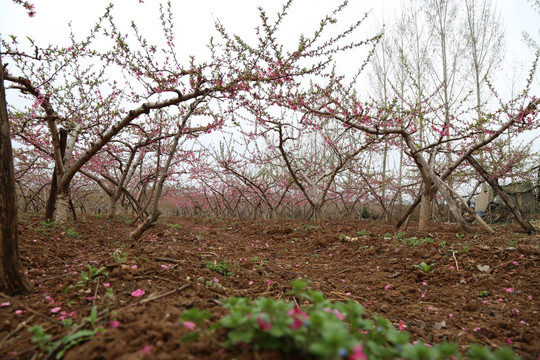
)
(137, 293)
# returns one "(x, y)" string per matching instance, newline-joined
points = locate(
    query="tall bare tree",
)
(12, 280)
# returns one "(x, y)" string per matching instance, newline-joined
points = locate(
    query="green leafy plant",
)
(324, 330)
(175, 226)
(191, 318)
(363, 233)
(414, 241)
(119, 256)
(466, 249)
(47, 223)
(460, 236)
(71, 232)
(40, 337)
(424, 267)
(92, 274)
(222, 267)
(483, 293)
(66, 342)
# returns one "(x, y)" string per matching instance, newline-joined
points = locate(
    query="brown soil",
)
(373, 269)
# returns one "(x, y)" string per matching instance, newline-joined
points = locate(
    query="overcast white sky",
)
(195, 20)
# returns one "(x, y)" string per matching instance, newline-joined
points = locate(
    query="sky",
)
(194, 20)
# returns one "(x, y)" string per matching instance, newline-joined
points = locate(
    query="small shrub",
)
(424, 267)
(222, 267)
(414, 241)
(71, 232)
(119, 256)
(322, 330)
(92, 274)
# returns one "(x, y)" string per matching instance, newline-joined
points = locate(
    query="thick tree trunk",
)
(12, 280)
(425, 206)
(111, 211)
(62, 206)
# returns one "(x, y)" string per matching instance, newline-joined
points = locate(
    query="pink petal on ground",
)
(133, 267)
(107, 284)
(164, 266)
(18, 312)
(147, 349)
(137, 293)
(189, 324)
(114, 324)
(509, 289)
(56, 309)
(4, 304)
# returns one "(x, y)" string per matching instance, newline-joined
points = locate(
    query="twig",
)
(144, 301)
(454, 256)
(174, 261)
(32, 310)
(339, 272)
(17, 329)
(95, 293)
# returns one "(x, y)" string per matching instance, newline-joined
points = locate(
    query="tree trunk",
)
(12, 280)
(425, 206)
(112, 208)
(51, 202)
(62, 206)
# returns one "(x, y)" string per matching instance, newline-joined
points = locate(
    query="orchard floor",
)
(482, 288)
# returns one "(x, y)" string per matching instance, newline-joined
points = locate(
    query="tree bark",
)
(63, 206)
(51, 202)
(525, 224)
(12, 279)
(425, 206)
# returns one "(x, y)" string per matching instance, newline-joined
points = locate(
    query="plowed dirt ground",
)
(481, 289)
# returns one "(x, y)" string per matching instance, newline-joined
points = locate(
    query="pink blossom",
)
(401, 325)
(266, 326)
(133, 267)
(508, 340)
(107, 284)
(164, 266)
(114, 324)
(189, 324)
(18, 312)
(216, 280)
(296, 311)
(270, 282)
(510, 290)
(56, 309)
(450, 315)
(297, 323)
(4, 304)
(358, 353)
(137, 293)
(387, 286)
(250, 283)
(147, 349)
